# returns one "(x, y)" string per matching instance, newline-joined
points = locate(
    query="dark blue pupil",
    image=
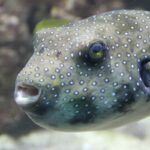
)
(96, 47)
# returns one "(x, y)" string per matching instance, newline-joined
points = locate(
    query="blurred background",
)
(17, 21)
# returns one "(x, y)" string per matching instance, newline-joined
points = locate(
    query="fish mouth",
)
(26, 95)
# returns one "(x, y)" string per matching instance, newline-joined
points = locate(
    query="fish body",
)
(92, 74)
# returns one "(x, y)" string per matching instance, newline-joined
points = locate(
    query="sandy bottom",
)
(131, 137)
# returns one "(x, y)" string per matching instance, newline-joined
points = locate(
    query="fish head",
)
(84, 76)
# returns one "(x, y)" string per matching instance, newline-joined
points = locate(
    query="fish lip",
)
(25, 100)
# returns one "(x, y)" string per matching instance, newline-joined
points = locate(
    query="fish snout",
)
(26, 94)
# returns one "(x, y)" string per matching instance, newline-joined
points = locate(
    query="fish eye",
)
(97, 50)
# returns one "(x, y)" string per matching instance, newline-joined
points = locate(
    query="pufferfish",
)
(92, 74)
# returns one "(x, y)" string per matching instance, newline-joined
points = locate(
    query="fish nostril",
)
(28, 90)
(26, 95)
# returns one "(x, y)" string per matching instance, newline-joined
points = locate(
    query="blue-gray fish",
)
(89, 75)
